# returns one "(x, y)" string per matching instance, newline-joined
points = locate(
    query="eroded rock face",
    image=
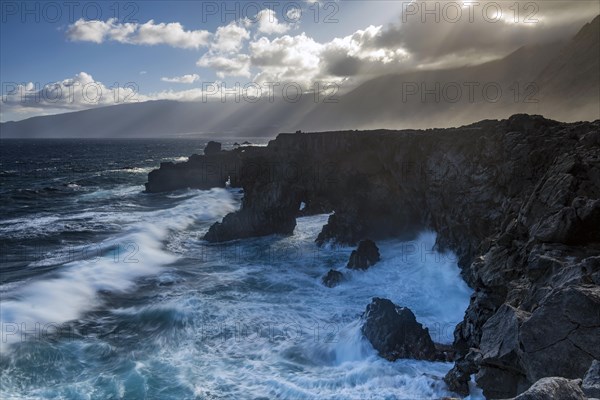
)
(499, 367)
(553, 388)
(395, 333)
(516, 200)
(567, 323)
(365, 255)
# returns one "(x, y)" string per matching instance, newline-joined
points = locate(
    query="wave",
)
(76, 288)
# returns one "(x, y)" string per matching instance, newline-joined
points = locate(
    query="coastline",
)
(517, 200)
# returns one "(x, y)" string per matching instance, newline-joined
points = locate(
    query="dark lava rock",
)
(500, 351)
(333, 278)
(395, 333)
(591, 381)
(459, 376)
(517, 201)
(565, 327)
(553, 388)
(365, 255)
(212, 148)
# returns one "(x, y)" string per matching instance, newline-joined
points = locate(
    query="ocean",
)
(111, 293)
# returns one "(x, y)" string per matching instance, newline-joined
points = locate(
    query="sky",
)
(66, 56)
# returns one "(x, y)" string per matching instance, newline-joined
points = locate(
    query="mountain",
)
(557, 80)
(439, 98)
(574, 74)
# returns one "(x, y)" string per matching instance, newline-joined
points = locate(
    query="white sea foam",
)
(64, 295)
(251, 319)
(267, 327)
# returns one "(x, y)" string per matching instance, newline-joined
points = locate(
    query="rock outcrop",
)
(591, 381)
(553, 388)
(395, 333)
(212, 148)
(517, 200)
(365, 255)
(333, 278)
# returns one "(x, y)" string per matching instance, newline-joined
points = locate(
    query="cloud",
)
(286, 59)
(294, 14)
(229, 38)
(482, 31)
(232, 65)
(82, 92)
(190, 78)
(269, 24)
(150, 33)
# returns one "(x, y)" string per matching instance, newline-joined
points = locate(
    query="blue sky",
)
(42, 52)
(341, 41)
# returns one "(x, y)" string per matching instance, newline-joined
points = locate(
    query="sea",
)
(108, 292)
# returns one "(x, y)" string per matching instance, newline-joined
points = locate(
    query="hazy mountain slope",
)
(409, 99)
(556, 80)
(164, 118)
(559, 81)
(575, 75)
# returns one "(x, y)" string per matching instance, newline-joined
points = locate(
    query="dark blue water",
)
(110, 293)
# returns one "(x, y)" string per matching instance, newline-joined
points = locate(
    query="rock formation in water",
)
(517, 200)
(333, 278)
(365, 255)
(395, 333)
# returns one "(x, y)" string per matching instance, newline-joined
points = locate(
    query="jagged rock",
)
(500, 373)
(395, 333)
(553, 388)
(591, 381)
(333, 278)
(517, 201)
(365, 255)
(459, 376)
(565, 327)
(212, 148)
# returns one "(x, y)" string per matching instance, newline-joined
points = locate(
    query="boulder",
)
(365, 255)
(333, 278)
(212, 148)
(553, 388)
(395, 333)
(591, 381)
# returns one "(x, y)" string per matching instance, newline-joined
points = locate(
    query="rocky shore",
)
(517, 200)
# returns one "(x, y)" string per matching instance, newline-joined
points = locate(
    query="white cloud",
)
(232, 65)
(294, 14)
(149, 33)
(190, 78)
(230, 38)
(269, 24)
(82, 92)
(77, 93)
(287, 59)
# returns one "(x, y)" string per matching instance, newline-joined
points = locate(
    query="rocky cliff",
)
(517, 200)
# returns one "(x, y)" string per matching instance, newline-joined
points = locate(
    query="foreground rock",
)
(553, 388)
(395, 333)
(591, 381)
(333, 278)
(365, 255)
(517, 200)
